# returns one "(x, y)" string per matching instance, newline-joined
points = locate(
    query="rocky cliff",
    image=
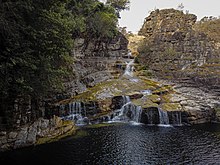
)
(185, 53)
(175, 49)
(94, 62)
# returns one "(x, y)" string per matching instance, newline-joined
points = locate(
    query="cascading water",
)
(128, 112)
(163, 116)
(76, 113)
(126, 99)
(129, 69)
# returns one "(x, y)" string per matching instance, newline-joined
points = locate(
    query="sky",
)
(133, 19)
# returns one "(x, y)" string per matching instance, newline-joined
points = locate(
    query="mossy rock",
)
(163, 90)
(49, 139)
(171, 107)
(144, 103)
(154, 98)
(166, 98)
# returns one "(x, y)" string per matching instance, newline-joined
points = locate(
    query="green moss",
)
(171, 107)
(145, 73)
(144, 103)
(154, 98)
(80, 133)
(49, 139)
(100, 125)
(163, 90)
(166, 98)
(66, 123)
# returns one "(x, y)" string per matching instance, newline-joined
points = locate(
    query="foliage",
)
(119, 5)
(36, 39)
(143, 47)
(209, 26)
(35, 45)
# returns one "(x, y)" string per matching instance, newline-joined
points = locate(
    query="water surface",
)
(127, 144)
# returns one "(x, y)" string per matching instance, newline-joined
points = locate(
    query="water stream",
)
(75, 112)
(163, 116)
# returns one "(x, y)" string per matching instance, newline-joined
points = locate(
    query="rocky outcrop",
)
(174, 49)
(41, 131)
(95, 62)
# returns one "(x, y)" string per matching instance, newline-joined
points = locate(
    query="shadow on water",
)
(126, 144)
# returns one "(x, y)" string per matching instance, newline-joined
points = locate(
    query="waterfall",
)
(138, 112)
(126, 99)
(75, 113)
(129, 69)
(163, 116)
(128, 112)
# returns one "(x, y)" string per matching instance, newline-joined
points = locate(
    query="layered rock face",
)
(94, 62)
(41, 131)
(174, 49)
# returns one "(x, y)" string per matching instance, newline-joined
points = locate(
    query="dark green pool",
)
(126, 144)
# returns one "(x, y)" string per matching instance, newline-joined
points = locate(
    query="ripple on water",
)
(126, 144)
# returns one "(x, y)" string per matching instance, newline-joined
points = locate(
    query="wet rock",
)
(43, 124)
(154, 98)
(150, 116)
(32, 133)
(3, 133)
(3, 140)
(21, 138)
(12, 136)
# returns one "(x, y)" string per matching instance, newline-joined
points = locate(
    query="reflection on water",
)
(127, 144)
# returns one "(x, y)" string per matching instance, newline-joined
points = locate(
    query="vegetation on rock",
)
(36, 41)
(178, 48)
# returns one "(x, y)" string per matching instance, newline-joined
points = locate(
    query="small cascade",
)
(138, 112)
(163, 116)
(75, 112)
(128, 112)
(129, 69)
(126, 99)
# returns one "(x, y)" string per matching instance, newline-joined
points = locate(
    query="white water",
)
(164, 119)
(126, 99)
(76, 113)
(129, 69)
(128, 112)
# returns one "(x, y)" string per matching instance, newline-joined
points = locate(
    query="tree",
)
(119, 5)
(36, 38)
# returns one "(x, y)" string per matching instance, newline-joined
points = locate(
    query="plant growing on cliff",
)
(119, 5)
